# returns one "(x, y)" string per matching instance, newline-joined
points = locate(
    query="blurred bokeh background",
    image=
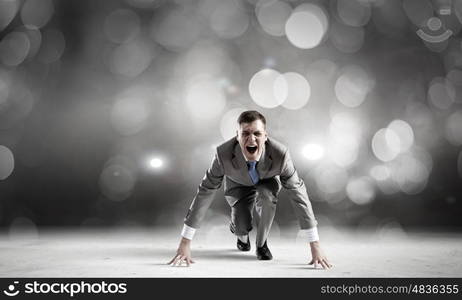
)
(110, 110)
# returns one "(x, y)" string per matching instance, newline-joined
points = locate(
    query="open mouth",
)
(251, 149)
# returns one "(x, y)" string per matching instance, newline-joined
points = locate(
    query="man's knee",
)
(268, 190)
(267, 198)
(241, 218)
(241, 225)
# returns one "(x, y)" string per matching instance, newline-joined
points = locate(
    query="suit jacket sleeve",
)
(205, 193)
(297, 193)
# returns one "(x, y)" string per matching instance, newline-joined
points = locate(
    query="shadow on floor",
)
(168, 254)
(224, 254)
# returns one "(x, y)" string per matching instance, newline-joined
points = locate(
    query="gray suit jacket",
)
(229, 163)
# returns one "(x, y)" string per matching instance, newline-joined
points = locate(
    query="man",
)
(253, 167)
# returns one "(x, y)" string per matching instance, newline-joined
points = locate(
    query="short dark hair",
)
(249, 116)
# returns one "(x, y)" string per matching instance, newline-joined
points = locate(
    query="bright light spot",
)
(343, 151)
(418, 11)
(22, 229)
(411, 171)
(323, 69)
(344, 138)
(306, 26)
(228, 20)
(35, 40)
(8, 10)
(331, 179)
(156, 163)
(346, 38)
(53, 45)
(129, 114)
(384, 144)
(117, 179)
(272, 16)
(264, 90)
(453, 130)
(207, 57)
(176, 30)
(388, 186)
(392, 140)
(313, 151)
(404, 132)
(18, 106)
(423, 123)
(35, 14)
(345, 122)
(353, 85)
(14, 48)
(228, 124)
(122, 25)
(455, 77)
(132, 58)
(392, 231)
(205, 98)
(441, 93)
(354, 12)
(298, 90)
(380, 172)
(361, 190)
(6, 162)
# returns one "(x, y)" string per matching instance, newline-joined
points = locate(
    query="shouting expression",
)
(252, 137)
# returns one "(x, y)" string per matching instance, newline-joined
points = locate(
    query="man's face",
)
(252, 138)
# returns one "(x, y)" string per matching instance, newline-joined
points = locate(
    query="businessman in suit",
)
(253, 168)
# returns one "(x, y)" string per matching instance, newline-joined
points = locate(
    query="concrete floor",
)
(142, 252)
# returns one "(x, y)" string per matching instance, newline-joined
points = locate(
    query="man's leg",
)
(265, 208)
(241, 212)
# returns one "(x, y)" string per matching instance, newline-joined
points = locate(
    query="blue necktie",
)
(252, 171)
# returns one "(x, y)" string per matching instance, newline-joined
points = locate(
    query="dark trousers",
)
(259, 202)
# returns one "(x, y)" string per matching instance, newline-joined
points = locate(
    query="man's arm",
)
(205, 193)
(303, 209)
(196, 213)
(297, 193)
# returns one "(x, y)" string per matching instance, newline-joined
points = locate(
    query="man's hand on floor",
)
(318, 256)
(183, 254)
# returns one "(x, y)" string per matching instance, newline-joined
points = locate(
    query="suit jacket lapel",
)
(265, 162)
(240, 164)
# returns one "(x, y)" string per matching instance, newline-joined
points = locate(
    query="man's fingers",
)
(174, 260)
(328, 263)
(324, 265)
(171, 260)
(177, 261)
(180, 261)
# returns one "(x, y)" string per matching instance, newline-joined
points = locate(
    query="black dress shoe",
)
(264, 253)
(243, 246)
